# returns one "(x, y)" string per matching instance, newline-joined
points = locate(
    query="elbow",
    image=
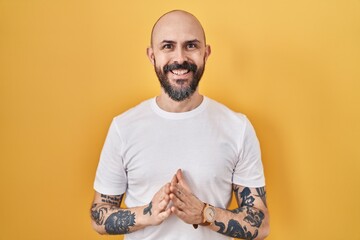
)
(96, 220)
(264, 231)
(97, 228)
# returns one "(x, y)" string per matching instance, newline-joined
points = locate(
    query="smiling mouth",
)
(180, 72)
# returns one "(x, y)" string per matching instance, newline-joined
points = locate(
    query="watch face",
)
(209, 214)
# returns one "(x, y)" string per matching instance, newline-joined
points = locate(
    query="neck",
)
(169, 105)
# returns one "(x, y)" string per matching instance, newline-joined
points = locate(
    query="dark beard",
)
(184, 92)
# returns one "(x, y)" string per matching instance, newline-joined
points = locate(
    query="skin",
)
(177, 37)
(237, 223)
(101, 210)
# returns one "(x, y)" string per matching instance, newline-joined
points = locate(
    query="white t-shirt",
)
(145, 146)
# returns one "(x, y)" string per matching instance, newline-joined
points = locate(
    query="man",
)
(178, 157)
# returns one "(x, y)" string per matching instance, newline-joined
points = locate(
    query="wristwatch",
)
(209, 214)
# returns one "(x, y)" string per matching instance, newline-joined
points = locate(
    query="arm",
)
(249, 221)
(108, 218)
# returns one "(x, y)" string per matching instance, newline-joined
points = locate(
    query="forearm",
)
(110, 219)
(249, 221)
(244, 223)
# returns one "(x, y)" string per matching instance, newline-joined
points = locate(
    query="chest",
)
(206, 153)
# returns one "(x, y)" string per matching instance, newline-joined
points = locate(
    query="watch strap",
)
(204, 219)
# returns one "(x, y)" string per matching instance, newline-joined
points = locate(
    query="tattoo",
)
(254, 217)
(234, 229)
(115, 200)
(237, 210)
(148, 209)
(98, 213)
(119, 222)
(247, 199)
(261, 194)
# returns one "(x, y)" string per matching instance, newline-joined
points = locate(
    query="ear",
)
(207, 52)
(150, 54)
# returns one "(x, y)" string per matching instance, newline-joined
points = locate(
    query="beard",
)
(179, 93)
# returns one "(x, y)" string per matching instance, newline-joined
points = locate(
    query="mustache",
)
(185, 65)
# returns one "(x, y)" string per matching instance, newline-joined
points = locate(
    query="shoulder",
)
(135, 113)
(224, 112)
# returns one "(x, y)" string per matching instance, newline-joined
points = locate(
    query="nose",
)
(180, 55)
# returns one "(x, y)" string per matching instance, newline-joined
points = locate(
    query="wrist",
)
(144, 214)
(208, 215)
(201, 216)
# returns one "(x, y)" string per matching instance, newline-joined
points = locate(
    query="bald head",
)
(178, 53)
(177, 21)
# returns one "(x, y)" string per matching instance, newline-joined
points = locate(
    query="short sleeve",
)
(249, 169)
(110, 176)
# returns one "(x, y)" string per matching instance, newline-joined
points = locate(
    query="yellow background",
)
(67, 67)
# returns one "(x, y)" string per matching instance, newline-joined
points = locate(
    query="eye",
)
(191, 45)
(167, 46)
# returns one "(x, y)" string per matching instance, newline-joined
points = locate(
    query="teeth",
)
(180, 71)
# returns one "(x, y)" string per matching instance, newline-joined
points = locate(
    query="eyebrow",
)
(173, 42)
(167, 41)
(193, 41)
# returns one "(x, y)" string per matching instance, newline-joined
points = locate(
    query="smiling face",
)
(178, 53)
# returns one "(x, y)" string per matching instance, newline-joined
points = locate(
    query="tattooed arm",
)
(108, 218)
(249, 221)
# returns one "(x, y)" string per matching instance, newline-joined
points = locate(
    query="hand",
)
(158, 209)
(186, 205)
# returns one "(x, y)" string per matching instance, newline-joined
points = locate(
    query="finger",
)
(179, 174)
(164, 203)
(177, 191)
(167, 188)
(175, 210)
(174, 188)
(165, 214)
(181, 180)
(174, 179)
(164, 191)
(176, 201)
(180, 214)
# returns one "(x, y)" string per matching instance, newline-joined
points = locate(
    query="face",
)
(182, 87)
(178, 53)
